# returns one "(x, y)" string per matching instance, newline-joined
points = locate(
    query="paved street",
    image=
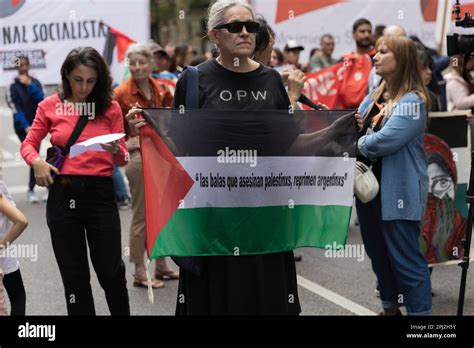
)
(328, 286)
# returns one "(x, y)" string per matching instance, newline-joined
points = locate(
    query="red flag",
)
(343, 85)
(355, 83)
(323, 86)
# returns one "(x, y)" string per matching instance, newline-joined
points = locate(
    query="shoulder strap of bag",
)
(192, 88)
(78, 128)
(80, 125)
(192, 264)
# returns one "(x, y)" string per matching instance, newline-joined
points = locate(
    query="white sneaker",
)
(32, 198)
(124, 204)
(44, 198)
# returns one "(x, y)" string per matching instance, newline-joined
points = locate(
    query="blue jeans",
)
(397, 261)
(121, 192)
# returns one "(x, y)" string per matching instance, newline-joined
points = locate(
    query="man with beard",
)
(359, 63)
(443, 226)
(362, 34)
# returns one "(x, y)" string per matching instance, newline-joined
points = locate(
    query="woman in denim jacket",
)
(394, 120)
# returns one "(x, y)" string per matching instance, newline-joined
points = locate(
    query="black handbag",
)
(55, 154)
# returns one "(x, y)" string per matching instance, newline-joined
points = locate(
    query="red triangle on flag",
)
(166, 183)
(287, 9)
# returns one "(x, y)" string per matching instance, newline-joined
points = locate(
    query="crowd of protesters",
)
(392, 69)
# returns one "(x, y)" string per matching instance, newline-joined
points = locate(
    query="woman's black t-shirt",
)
(223, 89)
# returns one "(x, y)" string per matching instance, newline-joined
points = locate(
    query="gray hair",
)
(139, 48)
(218, 8)
(328, 36)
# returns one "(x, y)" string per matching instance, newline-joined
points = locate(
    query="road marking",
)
(333, 297)
(13, 164)
(7, 155)
(14, 139)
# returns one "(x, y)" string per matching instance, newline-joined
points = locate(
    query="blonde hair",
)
(138, 48)
(408, 70)
(218, 8)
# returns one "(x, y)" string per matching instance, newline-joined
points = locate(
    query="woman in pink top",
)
(81, 207)
(459, 93)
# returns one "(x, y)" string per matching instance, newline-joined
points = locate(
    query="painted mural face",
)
(443, 226)
(441, 184)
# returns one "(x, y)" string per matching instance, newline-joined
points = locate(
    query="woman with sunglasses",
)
(247, 284)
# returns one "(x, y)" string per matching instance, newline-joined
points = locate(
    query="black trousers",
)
(81, 211)
(32, 181)
(16, 292)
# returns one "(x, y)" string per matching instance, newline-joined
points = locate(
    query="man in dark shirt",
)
(23, 97)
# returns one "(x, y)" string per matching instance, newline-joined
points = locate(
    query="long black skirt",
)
(240, 285)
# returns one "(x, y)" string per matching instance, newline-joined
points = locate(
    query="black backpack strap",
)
(191, 264)
(192, 87)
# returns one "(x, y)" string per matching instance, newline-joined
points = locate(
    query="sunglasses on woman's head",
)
(236, 27)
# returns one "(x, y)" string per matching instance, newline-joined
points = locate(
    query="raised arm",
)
(17, 217)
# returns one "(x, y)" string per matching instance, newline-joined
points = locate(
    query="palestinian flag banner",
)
(246, 182)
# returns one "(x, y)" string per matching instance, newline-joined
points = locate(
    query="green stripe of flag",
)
(251, 230)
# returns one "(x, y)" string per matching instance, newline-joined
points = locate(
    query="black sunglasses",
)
(236, 27)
